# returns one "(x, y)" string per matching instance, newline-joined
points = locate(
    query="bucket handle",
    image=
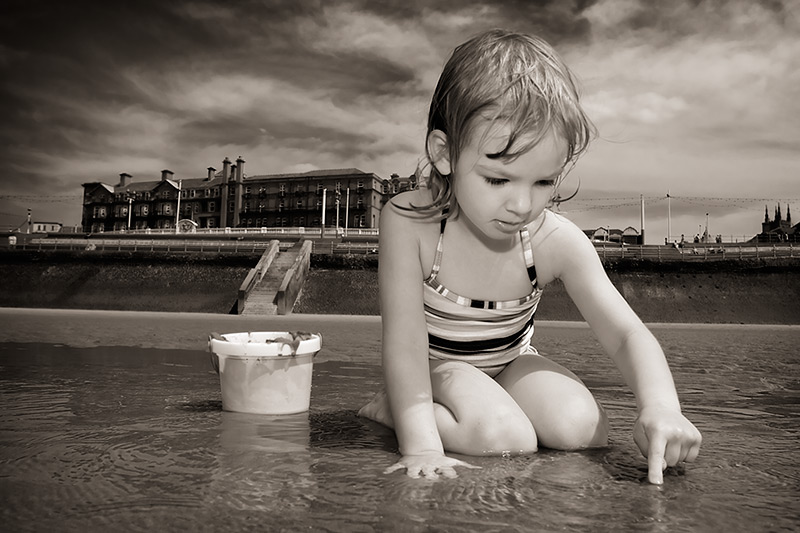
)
(214, 357)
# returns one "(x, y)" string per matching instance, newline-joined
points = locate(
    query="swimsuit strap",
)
(528, 253)
(437, 260)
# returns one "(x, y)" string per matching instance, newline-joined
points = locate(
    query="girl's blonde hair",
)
(511, 77)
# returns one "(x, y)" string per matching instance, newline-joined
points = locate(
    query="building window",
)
(231, 207)
(320, 188)
(360, 204)
(282, 189)
(300, 203)
(212, 206)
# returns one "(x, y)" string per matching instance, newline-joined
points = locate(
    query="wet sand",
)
(112, 421)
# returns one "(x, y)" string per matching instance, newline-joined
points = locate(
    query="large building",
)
(229, 198)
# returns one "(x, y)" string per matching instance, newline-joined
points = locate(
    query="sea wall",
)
(759, 292)
(765, 291)
(140, 281)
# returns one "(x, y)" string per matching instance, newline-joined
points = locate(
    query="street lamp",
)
(178, 210)
(324, 200)
(130, 208)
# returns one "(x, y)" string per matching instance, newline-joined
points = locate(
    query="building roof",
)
(204, 183)
(313, 174)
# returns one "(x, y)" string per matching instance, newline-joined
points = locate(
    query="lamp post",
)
(347, 211)
(178, 210)
(324, 200)
(337, 195)
(130, 207)
(669, 217)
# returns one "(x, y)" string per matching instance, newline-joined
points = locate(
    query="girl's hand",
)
(430, 465)
(666, 438)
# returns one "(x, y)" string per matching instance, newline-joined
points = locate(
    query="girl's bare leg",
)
(563, 411)
(474, 415)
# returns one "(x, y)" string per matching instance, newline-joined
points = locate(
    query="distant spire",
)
(766, 214)
(788, 215)
(778, 216)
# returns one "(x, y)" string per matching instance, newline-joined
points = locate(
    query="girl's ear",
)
(439, 152)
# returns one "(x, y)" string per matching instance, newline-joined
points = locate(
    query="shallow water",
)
(108, 438)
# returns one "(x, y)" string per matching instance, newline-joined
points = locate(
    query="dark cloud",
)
(552, 19)
(90, 89)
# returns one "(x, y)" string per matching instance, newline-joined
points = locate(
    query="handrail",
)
(256, 274)
(293, 280)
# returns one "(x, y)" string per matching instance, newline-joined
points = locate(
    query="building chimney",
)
(239, 169)
(211, 171)
(226, 169)
(124, 180)
(166, 174)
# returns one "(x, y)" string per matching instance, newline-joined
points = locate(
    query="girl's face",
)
(500, 196)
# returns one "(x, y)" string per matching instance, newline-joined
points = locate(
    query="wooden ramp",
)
(271, 288)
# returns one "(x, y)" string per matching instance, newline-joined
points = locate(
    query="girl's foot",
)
(378, 410)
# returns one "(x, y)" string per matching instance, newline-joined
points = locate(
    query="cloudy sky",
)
(699, 98)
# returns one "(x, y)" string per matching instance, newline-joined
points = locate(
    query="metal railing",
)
(369, 246)
(695, 252)
(265, 231)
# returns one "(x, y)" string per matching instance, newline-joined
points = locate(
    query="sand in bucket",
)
(266, 372)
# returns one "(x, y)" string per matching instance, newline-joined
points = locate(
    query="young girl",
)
(464, 260)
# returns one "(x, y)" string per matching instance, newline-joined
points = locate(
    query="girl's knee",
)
(581, 424)
(499, 431)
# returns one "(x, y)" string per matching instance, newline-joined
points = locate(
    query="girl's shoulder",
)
(556, 242)
(407, 200)
(403, 209)
(553, 229)
(408, 236)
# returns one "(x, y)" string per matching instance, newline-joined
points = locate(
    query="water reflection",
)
(262, 462)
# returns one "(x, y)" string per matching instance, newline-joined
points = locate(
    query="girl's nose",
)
(519, 203)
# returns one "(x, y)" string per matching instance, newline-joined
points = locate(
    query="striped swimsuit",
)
(488, 335)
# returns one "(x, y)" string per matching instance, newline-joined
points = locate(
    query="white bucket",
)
(258, 375)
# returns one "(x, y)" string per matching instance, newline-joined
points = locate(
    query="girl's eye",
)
(546, 183)
(495, 182)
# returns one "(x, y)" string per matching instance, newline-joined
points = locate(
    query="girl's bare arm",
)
(405, 339)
